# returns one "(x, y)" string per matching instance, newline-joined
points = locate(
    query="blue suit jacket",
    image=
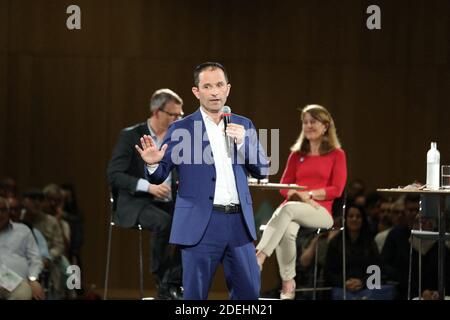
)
(189, 149)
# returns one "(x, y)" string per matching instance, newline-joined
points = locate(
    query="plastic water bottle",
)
(433, 161)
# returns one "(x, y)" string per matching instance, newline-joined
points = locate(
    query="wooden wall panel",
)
(4, 25)
(40, 27)
(3, 108)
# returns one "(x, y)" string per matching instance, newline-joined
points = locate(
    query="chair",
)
(46, 283)
(428, 207)
(112, 198)
(338, 208)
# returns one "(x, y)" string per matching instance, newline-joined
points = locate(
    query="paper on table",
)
(413, 186)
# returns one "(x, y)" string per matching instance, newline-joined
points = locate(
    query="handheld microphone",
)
(226, 116)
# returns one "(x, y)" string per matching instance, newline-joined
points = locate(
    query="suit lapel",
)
(198, 127)
(143, 129)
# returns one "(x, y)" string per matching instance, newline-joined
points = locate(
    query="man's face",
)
(412, 209)
(171, 112)
(31, 207)
(14, 209)
(382, 210)
(4, 215)
(212, 90)
(52, 202)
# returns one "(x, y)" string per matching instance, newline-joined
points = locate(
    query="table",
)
(442, 193)
(276, 186)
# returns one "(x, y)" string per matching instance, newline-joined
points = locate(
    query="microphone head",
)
(226, 110)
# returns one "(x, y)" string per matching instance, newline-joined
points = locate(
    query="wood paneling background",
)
(64, 95)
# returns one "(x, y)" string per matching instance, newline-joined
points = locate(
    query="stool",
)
(108, 250)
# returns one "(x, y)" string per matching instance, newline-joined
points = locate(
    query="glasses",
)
(176, 115)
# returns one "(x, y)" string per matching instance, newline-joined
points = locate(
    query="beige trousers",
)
(22, 292)
(281, 232)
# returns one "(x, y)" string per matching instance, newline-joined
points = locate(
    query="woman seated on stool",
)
(317, 162)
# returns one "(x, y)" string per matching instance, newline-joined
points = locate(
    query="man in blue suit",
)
(213, 220)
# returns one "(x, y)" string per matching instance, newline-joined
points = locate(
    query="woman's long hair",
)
(364, 244)
(330, 139)
(365, 234)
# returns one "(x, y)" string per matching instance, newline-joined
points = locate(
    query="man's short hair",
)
(208, 65)
(161, 97)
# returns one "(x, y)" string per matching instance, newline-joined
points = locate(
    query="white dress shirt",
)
(226, 191)
(19, 251)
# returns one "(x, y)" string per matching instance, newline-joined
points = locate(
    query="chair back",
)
(113, 194)
(338, 209)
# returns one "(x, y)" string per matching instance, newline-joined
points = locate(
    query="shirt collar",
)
(9, 226)
(152, 133)
(206, 117)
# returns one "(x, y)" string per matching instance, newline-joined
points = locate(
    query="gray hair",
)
(52, 188)
(161, 97)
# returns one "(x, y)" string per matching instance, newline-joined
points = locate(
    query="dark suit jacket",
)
(125, 168)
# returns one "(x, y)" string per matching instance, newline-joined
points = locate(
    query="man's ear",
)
(195, 92)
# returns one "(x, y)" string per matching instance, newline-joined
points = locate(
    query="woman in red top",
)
(317, 162)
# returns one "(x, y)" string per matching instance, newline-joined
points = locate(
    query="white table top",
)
(416, 191)
(276, 186)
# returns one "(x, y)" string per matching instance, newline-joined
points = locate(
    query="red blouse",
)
(327, 172)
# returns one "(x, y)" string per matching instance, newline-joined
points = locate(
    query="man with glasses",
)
(173, 114)
(151, 205)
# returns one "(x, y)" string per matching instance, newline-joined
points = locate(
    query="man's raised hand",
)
(150, 152)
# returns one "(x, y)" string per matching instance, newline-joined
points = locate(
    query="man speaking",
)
(213, 220)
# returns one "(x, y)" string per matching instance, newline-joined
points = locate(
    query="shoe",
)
(176, 292)
(170, 292)
(163, 293)
(288, 295)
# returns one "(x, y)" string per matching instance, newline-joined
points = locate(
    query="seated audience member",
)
(8, 188)
(20, 258)
(137, 201)
(356, 193)
(361, 252)
(373, 208)
(307, 256)
(385, 223)
(75, 219)
(395, 253)
(49, 227)
(54, 206)
(15, 210)
(429, 251)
